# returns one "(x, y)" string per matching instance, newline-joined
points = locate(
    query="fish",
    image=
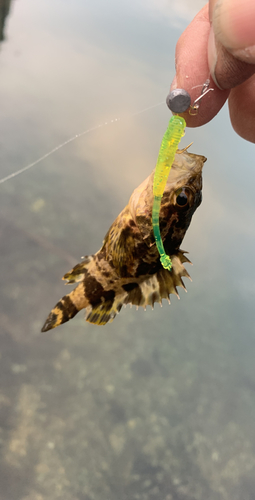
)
(127, 268)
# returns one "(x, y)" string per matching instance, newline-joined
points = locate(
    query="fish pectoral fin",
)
(78, 272)
(159, 285)
(122, 254)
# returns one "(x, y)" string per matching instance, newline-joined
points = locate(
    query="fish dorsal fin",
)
(161, 284)
(78, 272)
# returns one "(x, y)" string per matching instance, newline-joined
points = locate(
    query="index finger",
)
(192, 70)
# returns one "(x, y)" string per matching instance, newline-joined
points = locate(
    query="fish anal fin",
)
(105, 312)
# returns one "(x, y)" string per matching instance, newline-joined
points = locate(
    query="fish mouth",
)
(185, 169)
(196, 163)
(189, 162)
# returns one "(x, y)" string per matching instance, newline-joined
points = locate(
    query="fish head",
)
(181, 197)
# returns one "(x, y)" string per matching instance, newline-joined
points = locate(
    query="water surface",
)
(157, 405)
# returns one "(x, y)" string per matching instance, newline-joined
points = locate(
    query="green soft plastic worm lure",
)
(167, 152)
(178, 101)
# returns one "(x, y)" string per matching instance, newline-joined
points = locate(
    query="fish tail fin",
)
(73, 302)
(66, 308)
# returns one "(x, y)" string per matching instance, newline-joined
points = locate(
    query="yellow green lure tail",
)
(167, 151)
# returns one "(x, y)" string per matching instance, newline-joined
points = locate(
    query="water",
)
(157, 405)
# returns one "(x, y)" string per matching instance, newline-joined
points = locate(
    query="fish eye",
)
(182, 197)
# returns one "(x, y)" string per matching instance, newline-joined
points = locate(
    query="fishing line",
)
(85, 132)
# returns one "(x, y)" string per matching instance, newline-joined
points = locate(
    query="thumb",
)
(231, 47)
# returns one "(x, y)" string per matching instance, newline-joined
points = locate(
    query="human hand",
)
(220, 41)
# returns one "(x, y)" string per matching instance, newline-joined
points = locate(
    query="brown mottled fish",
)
(127, 268)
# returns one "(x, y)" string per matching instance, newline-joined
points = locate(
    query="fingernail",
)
(212, 56)
(233, 23)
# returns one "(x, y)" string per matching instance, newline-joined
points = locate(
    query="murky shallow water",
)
(156, 405)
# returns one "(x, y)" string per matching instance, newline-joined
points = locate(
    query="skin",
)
(220, 42)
